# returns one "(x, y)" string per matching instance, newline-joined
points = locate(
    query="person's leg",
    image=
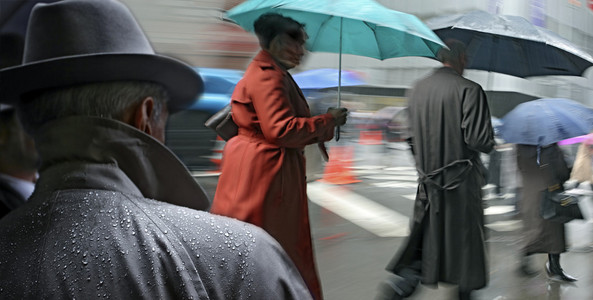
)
(464, 295)
(402, 285)
(525, 265)
(554, 270)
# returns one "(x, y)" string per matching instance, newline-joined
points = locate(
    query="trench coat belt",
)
(258, 137)
(453, 182)
(450, 184)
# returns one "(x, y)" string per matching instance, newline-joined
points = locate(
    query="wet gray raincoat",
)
(92, 229)
(450, 126)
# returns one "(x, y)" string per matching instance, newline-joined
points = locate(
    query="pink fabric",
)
(587, 139)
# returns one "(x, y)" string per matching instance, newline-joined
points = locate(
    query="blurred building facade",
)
(194, 31)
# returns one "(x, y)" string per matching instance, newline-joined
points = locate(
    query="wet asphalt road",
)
(354, 238)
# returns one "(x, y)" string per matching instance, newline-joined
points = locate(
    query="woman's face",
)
(287, 49)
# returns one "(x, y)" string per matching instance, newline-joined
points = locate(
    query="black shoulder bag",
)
(558, 206)
(222, 122)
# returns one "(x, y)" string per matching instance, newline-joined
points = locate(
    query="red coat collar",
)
(265, 59)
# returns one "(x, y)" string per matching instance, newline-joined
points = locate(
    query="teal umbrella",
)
(358, 27)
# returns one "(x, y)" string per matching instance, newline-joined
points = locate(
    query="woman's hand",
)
(340, 114)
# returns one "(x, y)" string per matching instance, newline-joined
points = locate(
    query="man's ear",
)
(143, 115)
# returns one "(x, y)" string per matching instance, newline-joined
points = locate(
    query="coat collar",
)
(445, 69)
(266, 60)
(97, 153)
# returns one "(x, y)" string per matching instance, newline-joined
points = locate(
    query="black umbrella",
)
(511, 45)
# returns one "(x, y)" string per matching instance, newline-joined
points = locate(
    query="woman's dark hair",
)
(270, 25)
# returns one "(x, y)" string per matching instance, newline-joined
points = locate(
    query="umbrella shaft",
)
(339, 78)
(340, 66)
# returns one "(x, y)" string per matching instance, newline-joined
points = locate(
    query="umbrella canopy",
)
(546, 121)
(358, 27)
(362, 27)
(496, 123)
(511, 45)
(326, 78)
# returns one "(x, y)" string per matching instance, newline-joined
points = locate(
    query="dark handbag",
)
(560, 207)
(222, 122)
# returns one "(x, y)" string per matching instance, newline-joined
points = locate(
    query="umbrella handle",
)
(337, 133)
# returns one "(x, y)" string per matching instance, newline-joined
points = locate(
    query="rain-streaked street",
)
(112, 110)
(358, 227)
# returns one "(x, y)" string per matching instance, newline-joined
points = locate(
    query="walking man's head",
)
(91, 58)
(454, 57)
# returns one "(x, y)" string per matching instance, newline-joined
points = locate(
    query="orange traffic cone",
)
(370, 137)
(216, 157)
(337, 169)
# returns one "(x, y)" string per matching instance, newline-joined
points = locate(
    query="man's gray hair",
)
(452, 55)
(105, 99)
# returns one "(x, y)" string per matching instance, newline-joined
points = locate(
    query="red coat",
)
(263, 168)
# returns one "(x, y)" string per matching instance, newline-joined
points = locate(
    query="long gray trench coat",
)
(90, 230)
(540, 236)
(450, 125)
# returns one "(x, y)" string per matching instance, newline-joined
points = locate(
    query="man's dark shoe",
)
(396, 287)
(389, 291)
(465, 295)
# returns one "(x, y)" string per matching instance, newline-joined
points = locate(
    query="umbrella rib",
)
(571, 60)
(574, 117)
(376, 38)
(319, 29)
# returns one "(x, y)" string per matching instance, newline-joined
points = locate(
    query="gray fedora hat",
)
(75, 42)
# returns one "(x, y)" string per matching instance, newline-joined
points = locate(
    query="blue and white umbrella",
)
(546, 121)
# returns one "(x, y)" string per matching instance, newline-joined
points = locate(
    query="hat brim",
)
(182, 83)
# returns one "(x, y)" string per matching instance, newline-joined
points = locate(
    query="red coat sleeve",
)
(275, 104)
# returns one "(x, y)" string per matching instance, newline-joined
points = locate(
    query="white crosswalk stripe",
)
(392, 177)
(410, 196)
(395, 184)
(506, 225)
(498, 210)
(401, 169)
(382, 220)
(359, 210)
